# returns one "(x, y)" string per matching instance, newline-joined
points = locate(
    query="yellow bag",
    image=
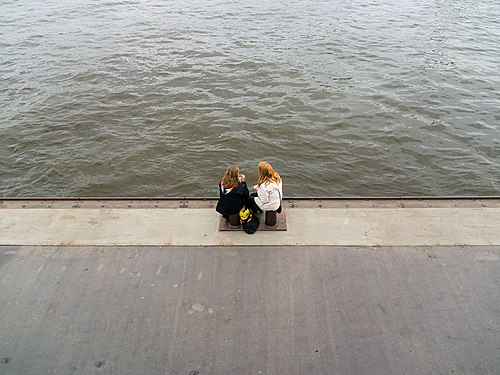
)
(244, 215)
(249, 222)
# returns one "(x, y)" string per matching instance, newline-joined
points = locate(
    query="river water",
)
(156, 98)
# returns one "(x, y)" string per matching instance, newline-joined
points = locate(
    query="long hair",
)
(231, 176)
(267, 173)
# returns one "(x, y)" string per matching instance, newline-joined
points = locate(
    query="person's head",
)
(231, 176)
(267, 173)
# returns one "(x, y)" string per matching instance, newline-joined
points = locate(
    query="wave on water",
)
(129, 98)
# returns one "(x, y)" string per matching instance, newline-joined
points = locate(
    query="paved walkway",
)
(252, 310)
(318, 223)
(365, 288)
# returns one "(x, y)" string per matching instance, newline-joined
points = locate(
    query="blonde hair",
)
(267, 173)
(231, 176)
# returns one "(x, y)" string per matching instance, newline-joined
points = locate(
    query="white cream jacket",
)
(269, 196)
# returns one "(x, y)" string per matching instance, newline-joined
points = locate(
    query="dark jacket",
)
(232, 202)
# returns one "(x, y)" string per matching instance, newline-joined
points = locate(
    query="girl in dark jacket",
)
(233, 192)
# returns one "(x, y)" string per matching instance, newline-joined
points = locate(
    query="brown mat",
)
(280, 224)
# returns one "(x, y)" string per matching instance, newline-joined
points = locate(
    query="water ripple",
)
(127, 97)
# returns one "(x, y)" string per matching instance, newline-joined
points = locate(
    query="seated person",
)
(233, 192)
(269, 190)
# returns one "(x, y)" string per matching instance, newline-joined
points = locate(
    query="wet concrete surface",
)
(249, 310)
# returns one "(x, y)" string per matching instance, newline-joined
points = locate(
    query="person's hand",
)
(256, 187)
(241, 177)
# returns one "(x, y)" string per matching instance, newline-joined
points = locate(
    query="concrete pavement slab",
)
(199, 227)
(249, 310)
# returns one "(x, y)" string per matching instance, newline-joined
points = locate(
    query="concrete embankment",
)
(194, 222)
(342, 306)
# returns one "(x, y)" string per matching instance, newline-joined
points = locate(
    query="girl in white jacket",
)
(269, 190)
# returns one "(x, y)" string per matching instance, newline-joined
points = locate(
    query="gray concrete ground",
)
(249, 310)
(294, 302)
(403, 222)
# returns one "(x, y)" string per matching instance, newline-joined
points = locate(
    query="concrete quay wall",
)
(194, 222)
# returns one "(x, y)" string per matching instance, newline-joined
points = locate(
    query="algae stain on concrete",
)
(67, 243)
(223, 242)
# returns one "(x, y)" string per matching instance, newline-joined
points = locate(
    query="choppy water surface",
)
(148, 98)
